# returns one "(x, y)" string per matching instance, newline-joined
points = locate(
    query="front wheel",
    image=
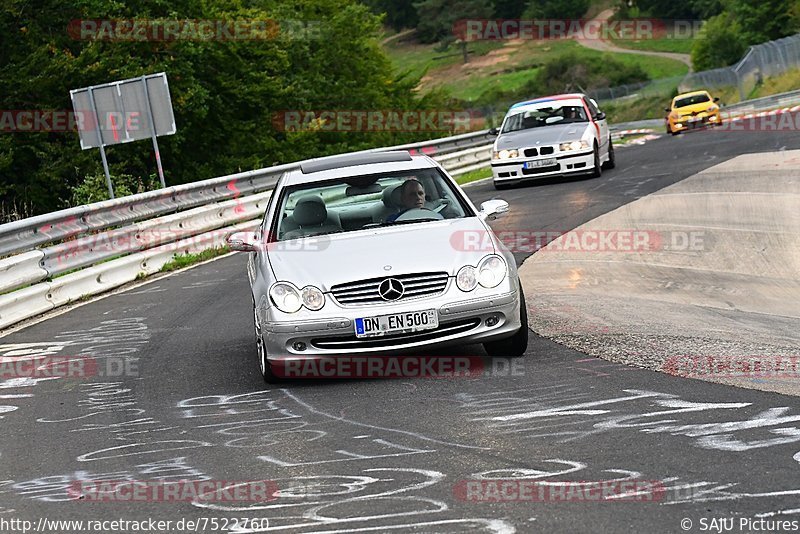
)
(516, 345)
(612, 161)
(598, 169)
(261, 353)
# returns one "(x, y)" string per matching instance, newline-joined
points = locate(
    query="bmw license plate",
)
(396, 323)
(536, 164)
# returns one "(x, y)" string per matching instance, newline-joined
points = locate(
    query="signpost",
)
(124, 111)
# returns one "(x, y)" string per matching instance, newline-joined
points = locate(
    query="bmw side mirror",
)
(491, 209)
(600, 116)
(493, 131)
(243, 242)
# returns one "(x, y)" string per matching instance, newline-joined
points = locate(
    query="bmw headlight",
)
(575, 145)
(505, 154)
(286, 297)
(491, 271)
(467, 278)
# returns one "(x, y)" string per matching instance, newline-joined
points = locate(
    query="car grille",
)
(352, 342)
(533, 152)
(366, 291)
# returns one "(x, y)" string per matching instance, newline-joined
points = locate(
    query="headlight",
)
(505, 154)
(712, 108)
(575, 145)
(491, 271)
(285, 297)
(467, 278)
(313, 299)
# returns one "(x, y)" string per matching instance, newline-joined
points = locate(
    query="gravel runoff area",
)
(699, 279)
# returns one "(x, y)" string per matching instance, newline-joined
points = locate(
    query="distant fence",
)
(767, 59)
(760, 61)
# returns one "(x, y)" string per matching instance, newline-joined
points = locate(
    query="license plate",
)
(396, 323)
(695, 119)
(549, 162)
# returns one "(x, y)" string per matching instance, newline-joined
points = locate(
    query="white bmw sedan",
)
(560, 135)
(378, 252)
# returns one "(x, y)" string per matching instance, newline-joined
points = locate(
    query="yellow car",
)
(692, 110)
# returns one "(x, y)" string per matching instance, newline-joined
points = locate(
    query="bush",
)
(94, 187)
(570, 72)
(556, 9)
(719, 44)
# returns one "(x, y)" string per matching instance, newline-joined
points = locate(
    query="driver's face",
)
(413, 196)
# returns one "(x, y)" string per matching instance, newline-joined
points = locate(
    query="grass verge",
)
(473, 176)
(184, 260)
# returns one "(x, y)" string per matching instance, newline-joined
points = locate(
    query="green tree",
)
(225, 93)
(763, 20)
(438, 17)
(719, 44)
(556, 9)
(400, 14)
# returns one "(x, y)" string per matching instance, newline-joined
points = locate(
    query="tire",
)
(598, 169)
(612, 161)
(265, 368)
(516, 345)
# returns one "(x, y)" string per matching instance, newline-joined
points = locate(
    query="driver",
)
(412, 196)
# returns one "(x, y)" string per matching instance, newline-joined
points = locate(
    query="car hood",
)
(444, 245)
(544, 135)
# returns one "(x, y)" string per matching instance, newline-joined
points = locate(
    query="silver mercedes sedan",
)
(377, 253)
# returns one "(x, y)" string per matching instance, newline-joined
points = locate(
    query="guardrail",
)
(98, 247)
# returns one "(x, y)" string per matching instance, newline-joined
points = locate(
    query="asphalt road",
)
(393, 456)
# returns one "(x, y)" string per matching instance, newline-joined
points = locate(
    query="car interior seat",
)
(310, 216)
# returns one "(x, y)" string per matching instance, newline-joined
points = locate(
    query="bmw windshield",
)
(546, 114)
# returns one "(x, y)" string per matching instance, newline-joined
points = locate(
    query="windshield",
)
(691, 100)
(547, 114)
(362, 202)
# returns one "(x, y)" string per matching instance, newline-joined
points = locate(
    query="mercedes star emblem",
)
(391, 289)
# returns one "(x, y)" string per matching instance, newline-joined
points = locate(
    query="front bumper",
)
(702, 120)
(462, 320)
(567, 164)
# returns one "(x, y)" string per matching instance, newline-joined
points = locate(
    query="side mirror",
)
(600, 116)
(243, 242)
(667, 110)
(491, 209)
(716, 99)
(494, 131)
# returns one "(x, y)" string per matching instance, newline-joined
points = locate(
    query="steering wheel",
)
(419, 214)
